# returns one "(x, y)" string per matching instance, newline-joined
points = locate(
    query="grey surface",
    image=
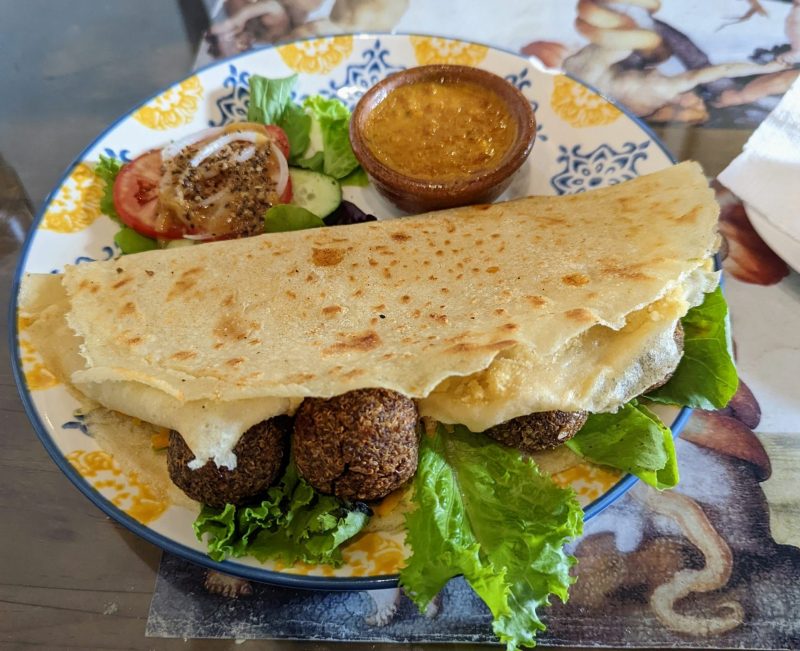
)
(70, 67)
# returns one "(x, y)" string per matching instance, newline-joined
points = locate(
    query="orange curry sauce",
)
(437, 131)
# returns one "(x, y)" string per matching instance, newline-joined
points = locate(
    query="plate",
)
(583, 142)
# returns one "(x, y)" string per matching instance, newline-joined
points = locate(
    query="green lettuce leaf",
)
(269, 98)
(313, 163)
(129, 241)
(484, 511)
(334, 120)
(357, 177)
(634, 440)
(297, 125)
(287, 217)
(107, 169)
(293, 523)
(706, 375)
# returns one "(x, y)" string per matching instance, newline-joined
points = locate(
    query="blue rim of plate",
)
(195, 556)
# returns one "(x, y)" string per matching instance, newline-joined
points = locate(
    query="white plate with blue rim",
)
(583, 141)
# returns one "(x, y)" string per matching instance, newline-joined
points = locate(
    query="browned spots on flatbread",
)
(483, 206)
(500, 311)
(234, 361)
(133, 341)
(128, 308)
(353, 373)
(310, 278)
(297, 378)
(183, 354)
(218, 345)
(331, 310)
(536, 301)
(290, 294)
(358, 292)
(181, 286)
(510, 327)
(363, 342)
(232, 328)
(689, 217)
(327, 257)
(121, 283)
(387, 356)
(575, 280)
(387, 273)
(628, 272)
(372, 262)
(150, 272)
(228, 300)
(492, 270)
(191, 272)
(466, 347)
(405, 298)
(416, 314)
(439, 318)
(579, 314)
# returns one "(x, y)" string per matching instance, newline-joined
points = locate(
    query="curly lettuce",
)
(485, 511)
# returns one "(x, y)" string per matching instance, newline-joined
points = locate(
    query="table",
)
(70, 577)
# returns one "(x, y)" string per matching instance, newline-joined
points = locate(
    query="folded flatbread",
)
(482, 313)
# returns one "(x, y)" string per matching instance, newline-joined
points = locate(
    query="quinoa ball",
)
(259, 458)
(360, 445)
(542, 430)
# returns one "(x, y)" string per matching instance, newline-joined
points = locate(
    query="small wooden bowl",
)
(416, 195)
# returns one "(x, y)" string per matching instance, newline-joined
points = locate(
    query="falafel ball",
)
(360, 445)
(259, 458)
(542, 430)
(678, 337)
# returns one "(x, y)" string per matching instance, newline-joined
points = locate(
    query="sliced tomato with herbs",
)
(136, 191)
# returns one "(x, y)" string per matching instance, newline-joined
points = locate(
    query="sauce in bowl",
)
(438, 131)
(440, 136)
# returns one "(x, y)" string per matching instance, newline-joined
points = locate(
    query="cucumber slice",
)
(314, 191)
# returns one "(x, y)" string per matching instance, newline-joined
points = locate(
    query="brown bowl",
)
(414, 194)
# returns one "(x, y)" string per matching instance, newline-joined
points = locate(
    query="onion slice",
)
(283, 170)
(215, 145)
(245, 155)
(173, 149)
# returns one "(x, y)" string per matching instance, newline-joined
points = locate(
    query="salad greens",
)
(127, 239)
(269, 98)
(485, 511)
(107, 169)
(286, 217)
(293, 523)
(634, 440)
(271, 103)
(706, 375)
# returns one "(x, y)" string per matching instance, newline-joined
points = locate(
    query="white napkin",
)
(766, 175)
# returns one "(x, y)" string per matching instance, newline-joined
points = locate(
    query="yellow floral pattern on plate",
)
(431, 50)
(368, 554)
(173, 108)
(579, 106)
(588, 481)
(125, 492)
(317, 56)
(77, 202)
(36, 375)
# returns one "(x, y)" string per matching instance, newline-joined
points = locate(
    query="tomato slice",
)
(136, 198)
(280, 138)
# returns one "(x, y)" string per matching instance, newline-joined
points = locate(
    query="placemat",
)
(714, 563)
